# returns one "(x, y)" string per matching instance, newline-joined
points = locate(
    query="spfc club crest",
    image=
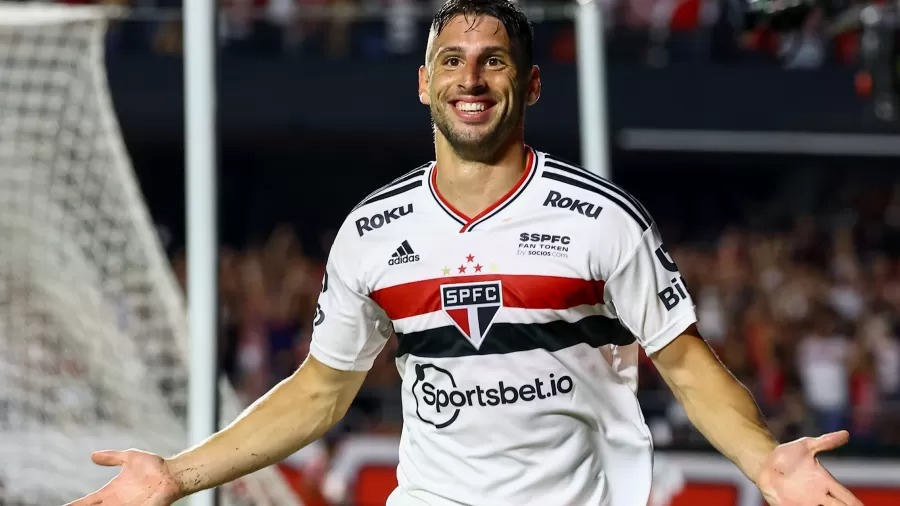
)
(472, 307)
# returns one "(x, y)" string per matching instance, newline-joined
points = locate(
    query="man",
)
(519, 288)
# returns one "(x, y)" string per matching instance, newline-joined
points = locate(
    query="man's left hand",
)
(793, 476)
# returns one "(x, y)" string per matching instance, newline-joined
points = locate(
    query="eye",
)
(452, 61)
(494, 61)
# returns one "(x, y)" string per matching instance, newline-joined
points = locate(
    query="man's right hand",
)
(299, 410)
(144, 480)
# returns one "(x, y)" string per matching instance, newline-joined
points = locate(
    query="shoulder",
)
(399, 186)
(572, 188)
(387, 204)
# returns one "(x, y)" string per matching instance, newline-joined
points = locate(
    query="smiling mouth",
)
(472, 109)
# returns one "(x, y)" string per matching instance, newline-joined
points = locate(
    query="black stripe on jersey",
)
(392, 193)
(505, 338)
(591, 188)
(376, 195)
(573, 169)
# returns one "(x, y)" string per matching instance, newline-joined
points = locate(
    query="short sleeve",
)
(349, 329)
(649, 295)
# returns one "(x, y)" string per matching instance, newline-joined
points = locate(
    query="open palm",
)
(793, 476)
(143, 481)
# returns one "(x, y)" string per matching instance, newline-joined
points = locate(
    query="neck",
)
(472, 186)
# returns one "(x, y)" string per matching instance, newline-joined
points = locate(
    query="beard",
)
(480, 144)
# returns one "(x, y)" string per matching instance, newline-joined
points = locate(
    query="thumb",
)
(108, 458)
(828, 441)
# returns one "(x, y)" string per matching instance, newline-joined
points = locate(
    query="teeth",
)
(470, 106)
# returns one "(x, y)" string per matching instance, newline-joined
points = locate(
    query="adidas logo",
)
(403, 255)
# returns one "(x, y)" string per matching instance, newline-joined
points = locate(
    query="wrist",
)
(183, 479)
(755, 462)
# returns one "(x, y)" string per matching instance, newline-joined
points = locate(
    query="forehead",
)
(471, 32)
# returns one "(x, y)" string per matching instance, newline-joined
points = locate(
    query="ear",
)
(423, 86)
(534, 85)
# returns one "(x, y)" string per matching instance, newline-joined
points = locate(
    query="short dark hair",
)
(517, 26)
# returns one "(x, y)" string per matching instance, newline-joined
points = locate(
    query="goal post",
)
(202, 241)
(94, 345)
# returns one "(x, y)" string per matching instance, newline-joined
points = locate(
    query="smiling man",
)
(520, 288)
(478, 110)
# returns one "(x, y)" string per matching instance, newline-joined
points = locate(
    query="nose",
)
(473, 79)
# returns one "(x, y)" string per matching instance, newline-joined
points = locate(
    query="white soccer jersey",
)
(518, 332)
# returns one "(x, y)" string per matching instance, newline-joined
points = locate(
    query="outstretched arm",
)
(646, 291)
(295, 413)
(723, 410)
(349, 331)
(719, 406)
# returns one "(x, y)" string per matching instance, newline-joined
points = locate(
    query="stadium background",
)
(792, 253)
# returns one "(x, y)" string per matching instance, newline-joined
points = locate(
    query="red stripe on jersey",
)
(519, 291)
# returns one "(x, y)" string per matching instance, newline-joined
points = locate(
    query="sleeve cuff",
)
(334, 362)
(672, 331)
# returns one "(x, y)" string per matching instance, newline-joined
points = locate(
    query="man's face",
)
(474, 85)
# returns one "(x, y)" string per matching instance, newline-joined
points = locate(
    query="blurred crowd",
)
(651, 32)
(806, 315)
(268, 295)
(808, 318)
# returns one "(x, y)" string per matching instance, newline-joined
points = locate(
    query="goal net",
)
(93, 331)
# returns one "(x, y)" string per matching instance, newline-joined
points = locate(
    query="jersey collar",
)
(468, 223)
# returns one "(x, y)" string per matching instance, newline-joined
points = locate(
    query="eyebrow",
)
(460, 49)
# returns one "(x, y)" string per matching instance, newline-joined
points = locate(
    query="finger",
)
(835, 489)
(108, 458)
(843, 494)
(828, 441)
(832, 501)
(90, 500)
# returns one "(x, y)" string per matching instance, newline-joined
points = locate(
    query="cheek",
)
(437, 89)
(512, 84)
(517, 92)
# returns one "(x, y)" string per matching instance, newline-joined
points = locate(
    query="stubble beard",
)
(479, 147)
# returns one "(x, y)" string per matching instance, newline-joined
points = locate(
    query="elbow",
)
(323, 394)
(338, 410)
(680, 385)
(308, 412)
(320, 405)
(331, 402)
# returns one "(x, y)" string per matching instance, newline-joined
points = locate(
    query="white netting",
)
(93, 334)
